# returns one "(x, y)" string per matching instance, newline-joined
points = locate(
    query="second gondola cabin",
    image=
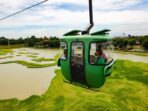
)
(79, 62)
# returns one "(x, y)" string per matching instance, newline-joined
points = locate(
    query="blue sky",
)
(56, 17)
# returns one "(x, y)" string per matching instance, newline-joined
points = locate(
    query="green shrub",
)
(145, 44)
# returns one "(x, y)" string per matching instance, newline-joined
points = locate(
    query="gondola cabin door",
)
(77, 62)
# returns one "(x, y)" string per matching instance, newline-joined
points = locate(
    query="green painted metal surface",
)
(95, 74)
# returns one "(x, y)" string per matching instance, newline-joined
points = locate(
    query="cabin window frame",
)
(90, 50)
(84, 65)
(83, 50)
(67, 50)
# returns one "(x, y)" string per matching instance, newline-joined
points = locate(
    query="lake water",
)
(18, 81)
(131, 57)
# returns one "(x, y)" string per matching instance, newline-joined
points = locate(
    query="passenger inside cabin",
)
(65, 54)
(99, 53)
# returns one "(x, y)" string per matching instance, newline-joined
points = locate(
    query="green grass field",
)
(5, 51)
(10, 46)
(125, 90)
(43, 59)
(6, 57)
(32, 56)
(29, 64)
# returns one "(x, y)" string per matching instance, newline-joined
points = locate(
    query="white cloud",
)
(132, 29)
(61, 20)
(115, 4)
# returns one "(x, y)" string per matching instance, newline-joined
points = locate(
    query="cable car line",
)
(23, 10)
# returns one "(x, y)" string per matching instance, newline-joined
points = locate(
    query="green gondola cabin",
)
(79, 63)
(86, 59)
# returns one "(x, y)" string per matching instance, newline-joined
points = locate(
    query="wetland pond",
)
(18, 81)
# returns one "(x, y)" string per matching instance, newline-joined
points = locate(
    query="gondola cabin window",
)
(77, 52)
(77, 49)
(64, 50)
(100, 53)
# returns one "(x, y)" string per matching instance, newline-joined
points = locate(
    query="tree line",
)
(127, 43)
(121, 43)
(33, 41)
